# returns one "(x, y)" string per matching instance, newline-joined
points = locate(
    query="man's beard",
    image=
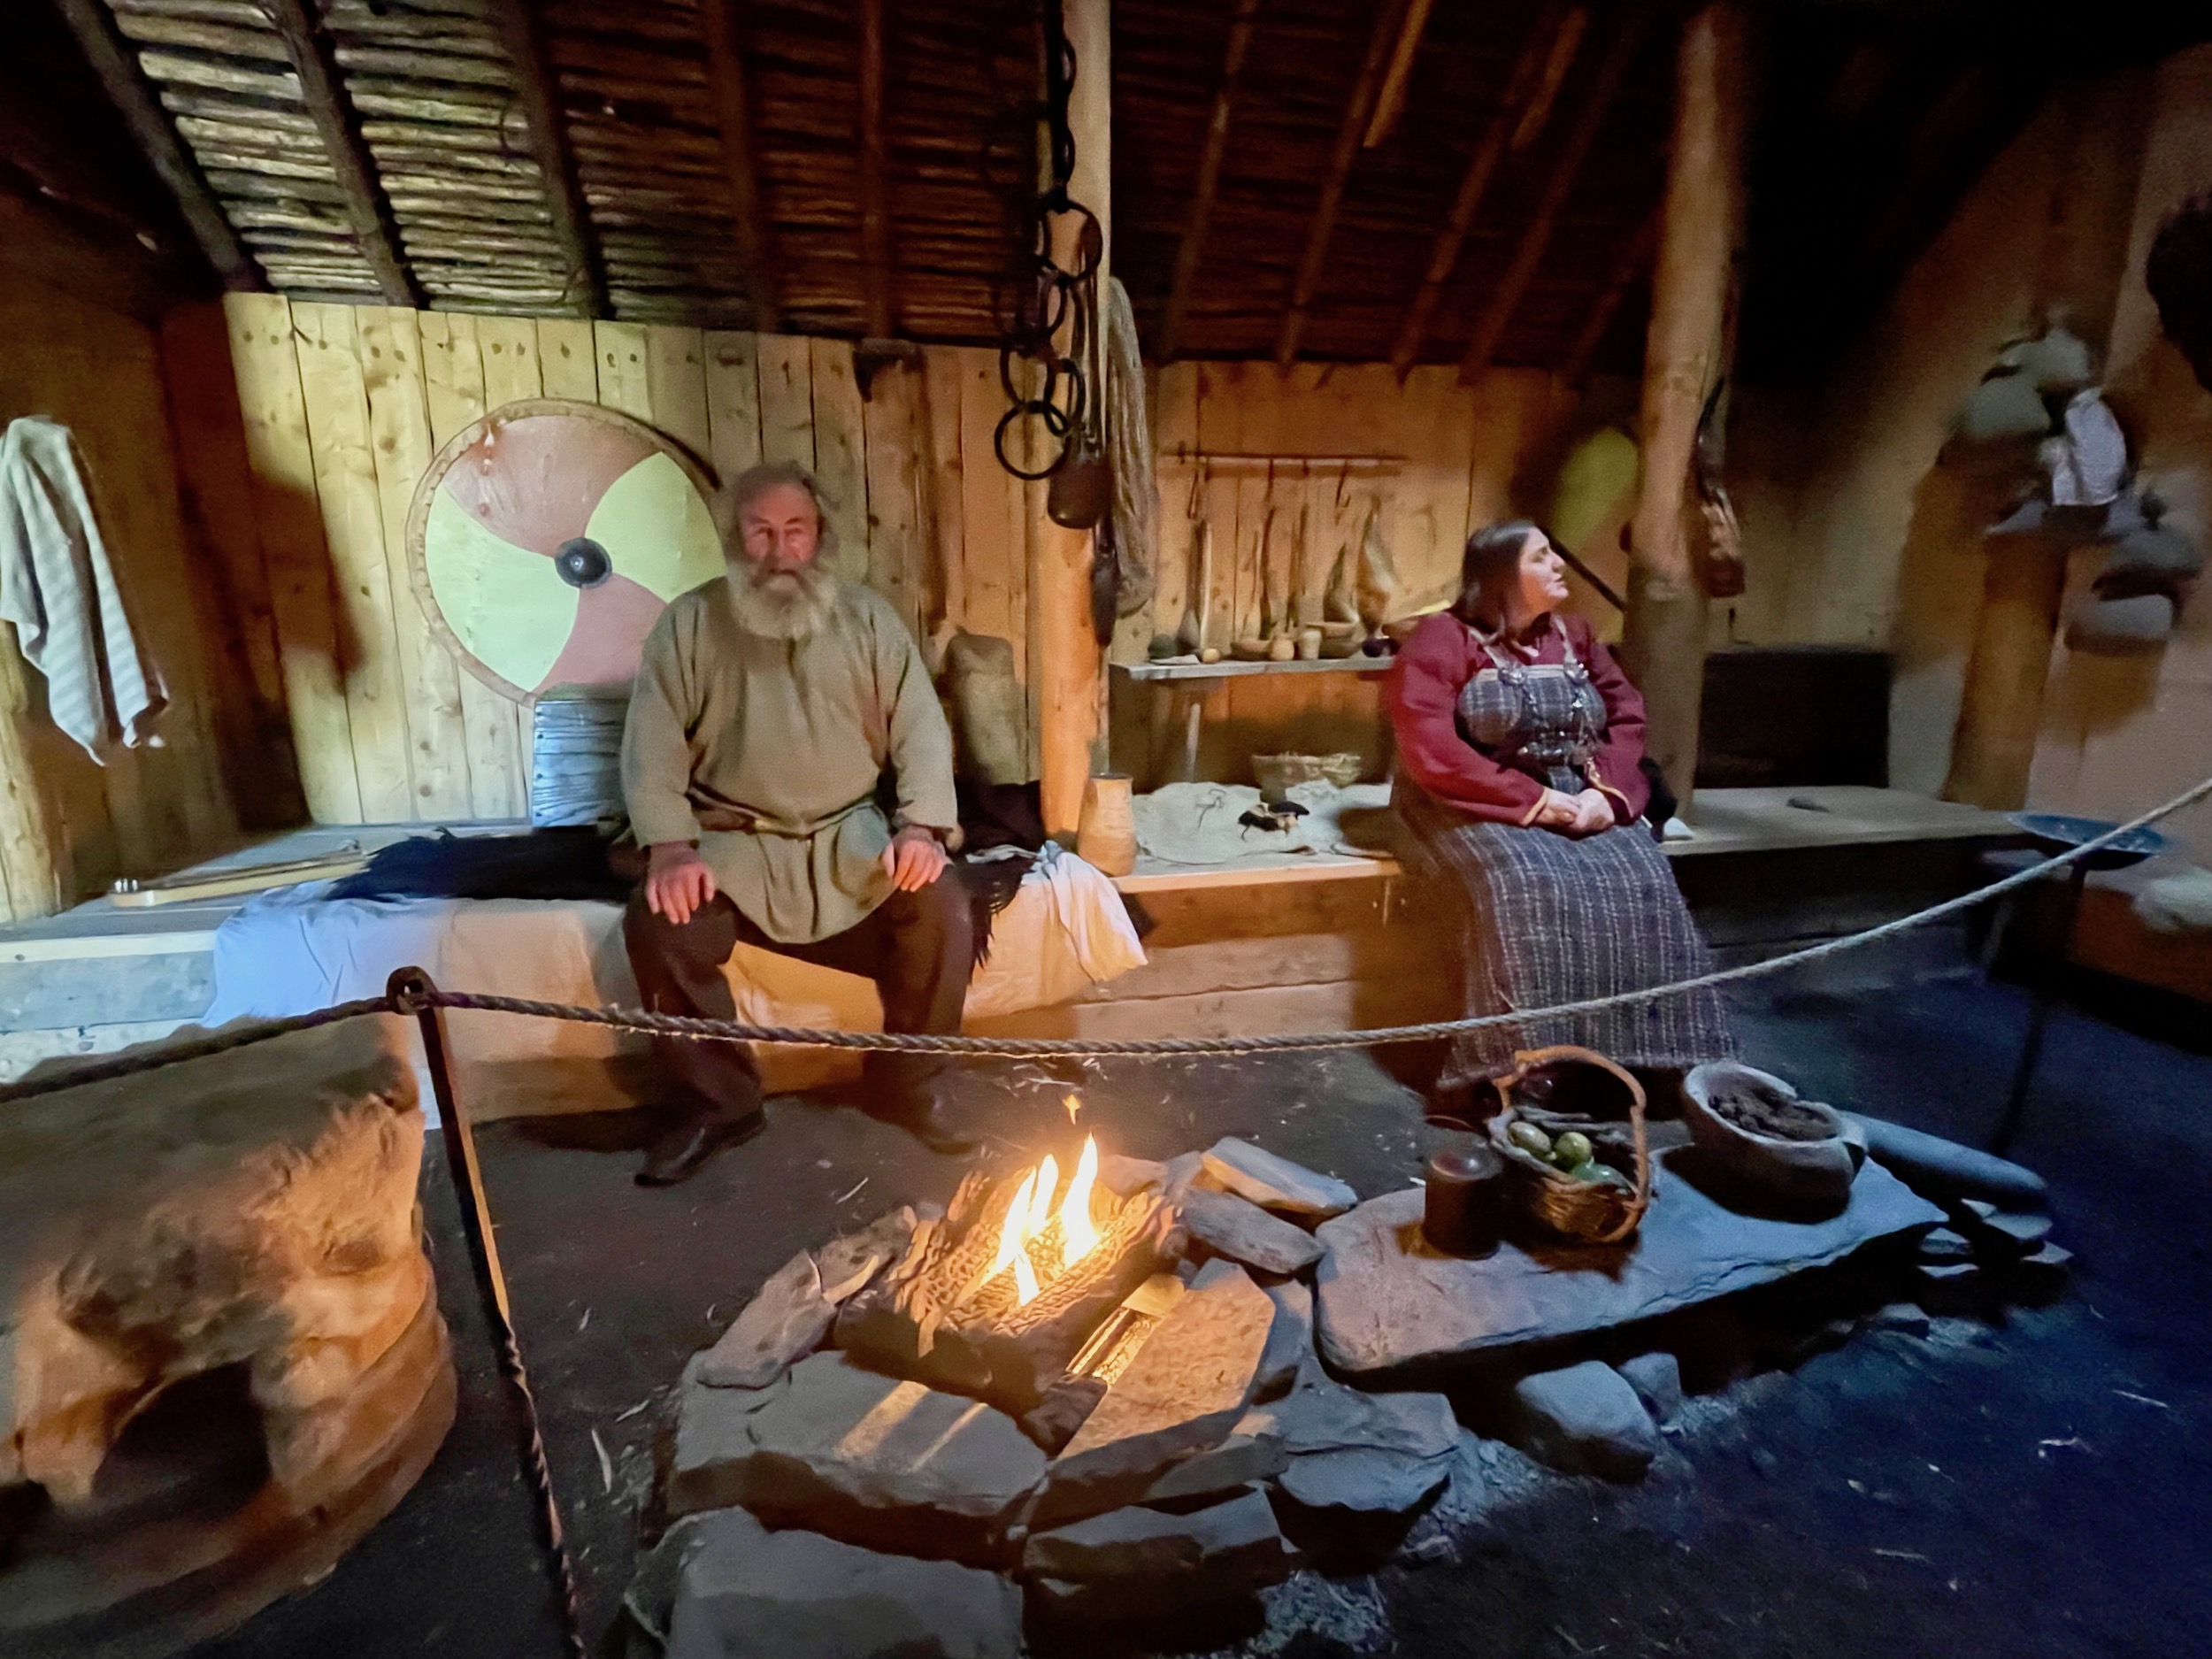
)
(781, 605)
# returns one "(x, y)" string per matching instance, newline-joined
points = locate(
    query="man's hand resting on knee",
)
(678, 883)
(914, 859)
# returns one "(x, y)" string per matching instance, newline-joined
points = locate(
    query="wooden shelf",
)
(1229, 668)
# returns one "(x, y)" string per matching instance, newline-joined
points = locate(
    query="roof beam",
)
(368, 215)
(549, 149)
(1512, 288)
(1637, 255)
(1194, 241)
(1390, 102)
(113, 62)
(1530, 92)
(875, 210)
(1388, 17)
(734, 114)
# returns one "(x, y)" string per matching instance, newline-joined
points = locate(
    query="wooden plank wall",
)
(345, 406)
(68, 825)
(1467, 456)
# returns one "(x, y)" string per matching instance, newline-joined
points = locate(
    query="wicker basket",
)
(1594, 1212)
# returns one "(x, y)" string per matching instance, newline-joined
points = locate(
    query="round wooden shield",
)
(546, 539)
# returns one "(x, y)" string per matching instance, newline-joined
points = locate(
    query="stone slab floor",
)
(2042, 1485)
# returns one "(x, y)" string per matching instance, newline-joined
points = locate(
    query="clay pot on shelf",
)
(1106, 833)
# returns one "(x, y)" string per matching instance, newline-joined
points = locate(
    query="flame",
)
(1032, 1215)
(1074, 1103)
(1078, 1236)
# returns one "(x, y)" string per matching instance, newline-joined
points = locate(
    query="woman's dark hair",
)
(1487, 569)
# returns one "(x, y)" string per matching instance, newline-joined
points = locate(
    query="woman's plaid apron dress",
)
(1552, 918)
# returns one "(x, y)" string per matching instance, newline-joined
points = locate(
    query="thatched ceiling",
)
(855, 166)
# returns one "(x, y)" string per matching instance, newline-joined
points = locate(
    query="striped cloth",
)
(1550, 919)
(59, 590)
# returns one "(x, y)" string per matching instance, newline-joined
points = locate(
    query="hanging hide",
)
(1129, 448)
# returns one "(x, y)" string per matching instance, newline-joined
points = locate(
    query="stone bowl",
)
(1802, 1152)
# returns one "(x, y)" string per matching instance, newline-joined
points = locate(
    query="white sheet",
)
(296, 949)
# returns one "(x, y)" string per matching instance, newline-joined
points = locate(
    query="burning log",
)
(996, 1299)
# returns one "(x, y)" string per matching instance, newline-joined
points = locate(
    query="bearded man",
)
(771, 708)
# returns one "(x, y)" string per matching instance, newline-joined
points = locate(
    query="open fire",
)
(1035, 1235)
(996, 1297)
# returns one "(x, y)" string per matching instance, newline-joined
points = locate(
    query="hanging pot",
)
(1081, 492)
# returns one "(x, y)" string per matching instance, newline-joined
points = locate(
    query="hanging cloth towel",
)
(58, 588)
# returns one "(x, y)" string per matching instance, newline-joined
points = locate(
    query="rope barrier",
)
(1045, 1048)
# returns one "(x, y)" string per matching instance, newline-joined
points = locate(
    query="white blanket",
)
(58, 588)
(295, 949)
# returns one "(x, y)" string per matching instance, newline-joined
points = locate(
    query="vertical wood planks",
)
(840, 461)
(455, 390)
(995, 529)
(899, 547)
(345, 481)
(507, 347)
(945, 580)
(510, 349)
(568, 362)
(624, 383)
(399, 430)
(282, 461)
(732, 367)
(209, 432)
(786, 400)
(676, 386)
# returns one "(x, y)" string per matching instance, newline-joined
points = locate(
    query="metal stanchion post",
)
(412, 993)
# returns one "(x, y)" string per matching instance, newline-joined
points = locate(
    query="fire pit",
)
(1098, 1397)
(997, 1298)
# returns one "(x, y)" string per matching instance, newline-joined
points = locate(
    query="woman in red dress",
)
(1519, 740)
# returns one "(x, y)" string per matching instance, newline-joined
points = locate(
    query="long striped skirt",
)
(1551, 921)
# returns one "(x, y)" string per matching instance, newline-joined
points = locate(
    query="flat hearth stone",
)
(1140, 1562)
(1370, 1455)
(787, 1318)
(1906, 1318)
(1939, 1169)
(862, 1457)
(1185, 1390)
(1290, 1340)
(743, 1592)
(1180, 1173)
(1586, 1419)
(1123, 1176)
(1942, 1244)
(1953, 1288)
(2011, 1232)
(1254, 1451)
(1657, 1380)
(1276, 1183)
(1234, 1227)
(1387, 1302)
(1052, 1422)
(848, 1263)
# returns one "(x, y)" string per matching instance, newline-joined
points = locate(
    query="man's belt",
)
(722, 818)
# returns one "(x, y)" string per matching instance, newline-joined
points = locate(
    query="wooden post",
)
(1684, 359)
(1069, 667)
(2001, 706)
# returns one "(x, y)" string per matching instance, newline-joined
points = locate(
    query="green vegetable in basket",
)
(1588, 1169)
(1572, 1151)
(1529, 1138)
